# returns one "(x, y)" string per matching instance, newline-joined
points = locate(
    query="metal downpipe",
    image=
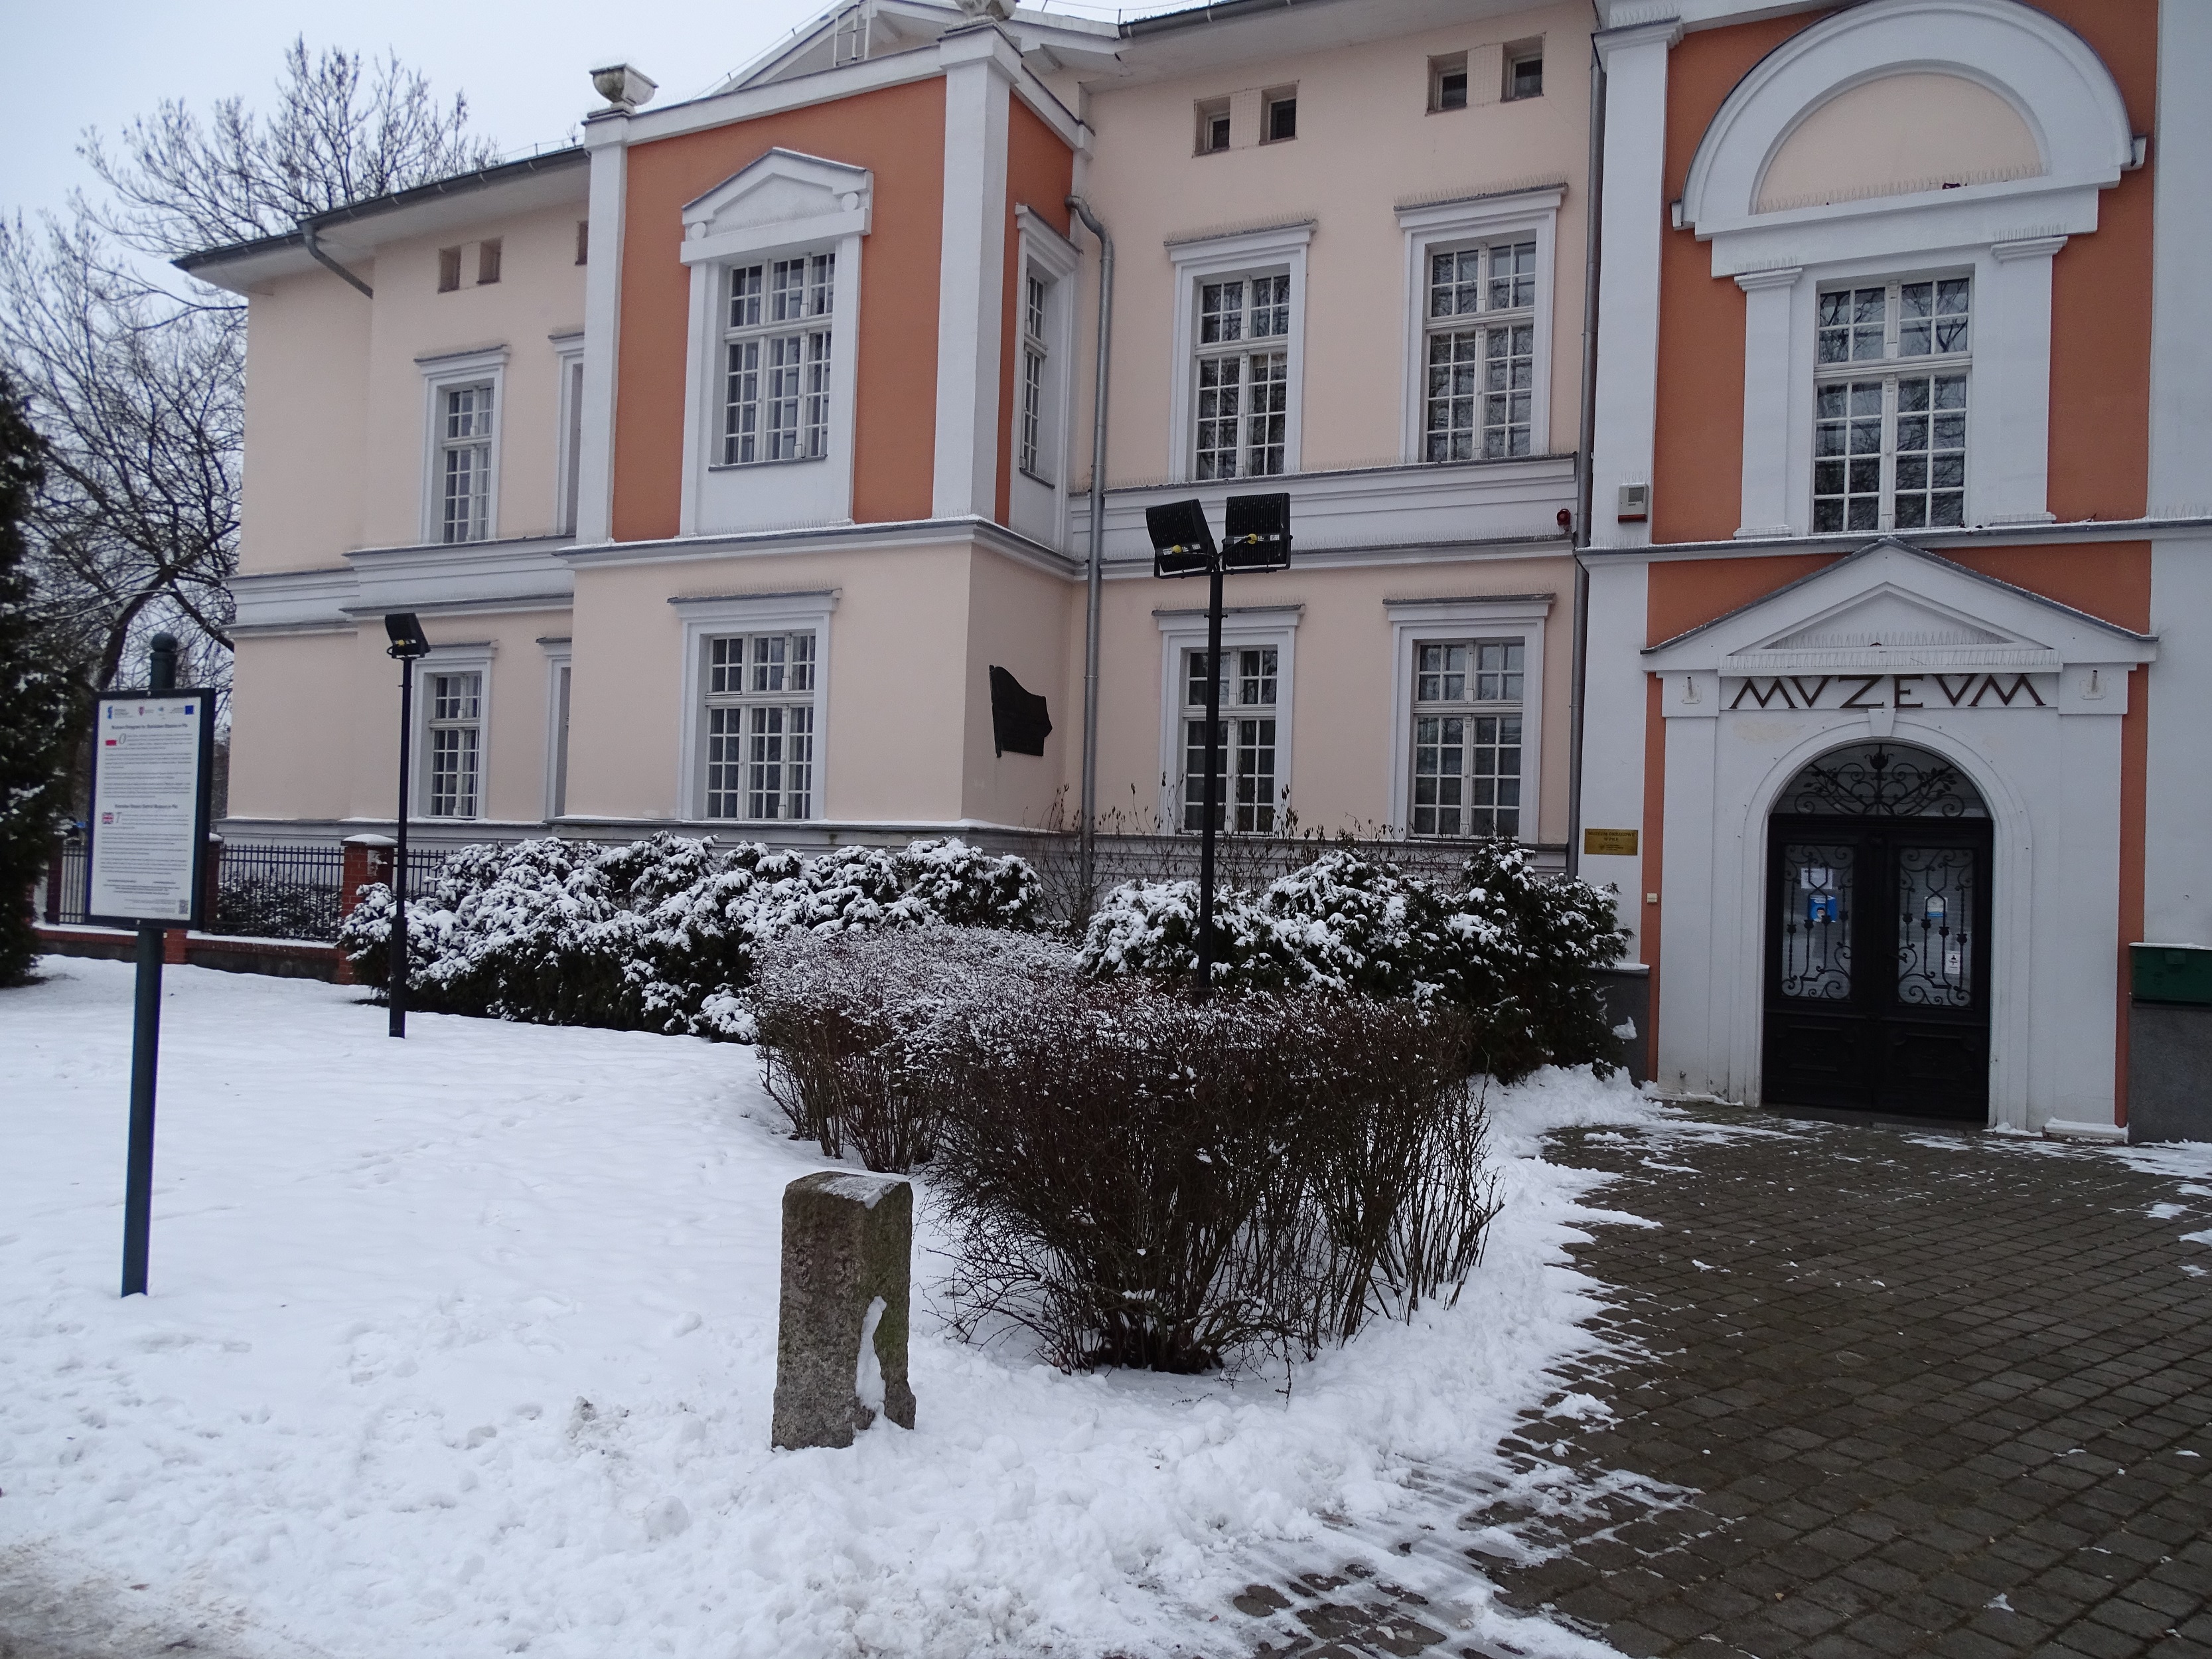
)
(1593, 255)
(1096, 561)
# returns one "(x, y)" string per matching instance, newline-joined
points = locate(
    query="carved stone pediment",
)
(784, 200)
(1892, 608)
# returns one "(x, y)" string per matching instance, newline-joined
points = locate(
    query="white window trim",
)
(846, 195)
(473, 658)
(2008, 397)
(440, 375)
(1056, 261)
(1185, 631)
(567, 358)
(1495, 218)
(705, 619)
(560, 658)
(1413, 620)
(1254, 252)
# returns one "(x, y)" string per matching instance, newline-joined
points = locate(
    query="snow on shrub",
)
(1518, 952)
(854, 1026)
(661, 934)
(1139, 1179)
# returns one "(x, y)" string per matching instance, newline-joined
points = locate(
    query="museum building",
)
(1900, 587)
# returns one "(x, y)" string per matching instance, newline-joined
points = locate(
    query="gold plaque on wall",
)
(1621, 843)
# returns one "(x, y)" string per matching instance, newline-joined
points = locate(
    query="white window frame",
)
(1039, 503)
(1437, 227)
(568, 470)
(1889, 369)
(1414, 622)
(474, 658)
(723, 615)
(750, 219)
(442, 374)
(1183, 631)
(559, 668)
(1255, 253)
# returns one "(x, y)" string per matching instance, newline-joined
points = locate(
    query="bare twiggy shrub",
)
(853, 1027)
(1139, 1179)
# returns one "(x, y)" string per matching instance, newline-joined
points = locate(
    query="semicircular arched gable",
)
(2017, 60)
(1898, 135)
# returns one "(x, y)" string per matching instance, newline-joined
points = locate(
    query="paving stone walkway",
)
(1874, 1392)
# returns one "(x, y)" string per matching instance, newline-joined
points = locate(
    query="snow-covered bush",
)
(1516, 952)
(1140, 1179)
(660, 935)
(853, 1027)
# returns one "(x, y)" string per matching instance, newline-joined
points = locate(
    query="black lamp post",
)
(1257, 536)
(409, 647)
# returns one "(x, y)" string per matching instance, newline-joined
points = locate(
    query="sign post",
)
(151, 761)
(1255, 536)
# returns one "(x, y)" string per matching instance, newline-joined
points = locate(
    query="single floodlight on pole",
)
(409, 647)
(1257, 538)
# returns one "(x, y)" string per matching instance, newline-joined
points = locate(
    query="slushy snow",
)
(466, 1344)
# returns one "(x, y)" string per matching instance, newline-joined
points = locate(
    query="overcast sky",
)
(77, 63)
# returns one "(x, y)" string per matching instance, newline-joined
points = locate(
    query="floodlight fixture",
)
(1182, 541)
(404, 629)
(1255, 533)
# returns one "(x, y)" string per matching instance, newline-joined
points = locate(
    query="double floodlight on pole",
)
(1255, 536)
(409, 647)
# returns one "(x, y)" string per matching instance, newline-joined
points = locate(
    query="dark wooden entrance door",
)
(1877, 964)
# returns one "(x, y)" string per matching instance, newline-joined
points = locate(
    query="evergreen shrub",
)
(1516, 954)
(661, 934)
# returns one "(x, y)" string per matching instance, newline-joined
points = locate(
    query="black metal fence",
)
(262, 890)
(268, 892)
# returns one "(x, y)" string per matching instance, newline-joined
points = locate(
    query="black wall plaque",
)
(1019, 724)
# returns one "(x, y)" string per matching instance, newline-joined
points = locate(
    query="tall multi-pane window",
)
(776, 361)
(1467, 737)
(465, 417)
(1243, 376)
(1248, 795)
(1035, 354)
(760, 725)
(1889, 434)
(455, 735)
(1479, 398)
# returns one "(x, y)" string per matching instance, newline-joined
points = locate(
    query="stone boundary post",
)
(841, 1329)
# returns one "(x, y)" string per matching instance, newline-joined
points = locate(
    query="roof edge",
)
(489, 178)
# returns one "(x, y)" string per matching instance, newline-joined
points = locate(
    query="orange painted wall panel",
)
(2100, 295)
(1697, 462)
(1040, 173)
(898, 134)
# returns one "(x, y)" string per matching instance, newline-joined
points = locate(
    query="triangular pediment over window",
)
(1894, 608)
(784, 200)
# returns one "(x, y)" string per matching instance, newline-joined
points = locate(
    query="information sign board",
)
(151, 758)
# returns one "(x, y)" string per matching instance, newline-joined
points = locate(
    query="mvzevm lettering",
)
(1905, 691)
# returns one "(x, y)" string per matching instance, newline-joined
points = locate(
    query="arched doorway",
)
(1877, 938)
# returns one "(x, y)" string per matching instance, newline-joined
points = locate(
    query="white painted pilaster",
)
(2181, 246)
(2176, 875)
(2012, 374)
(1634, 222)
(980, 67)
(1612, 733)
(607, 139)
(1770, 299)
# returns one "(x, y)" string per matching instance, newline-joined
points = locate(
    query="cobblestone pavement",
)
(1873, 1391)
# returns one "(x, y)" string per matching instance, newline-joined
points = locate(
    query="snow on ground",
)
(465, 1345)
